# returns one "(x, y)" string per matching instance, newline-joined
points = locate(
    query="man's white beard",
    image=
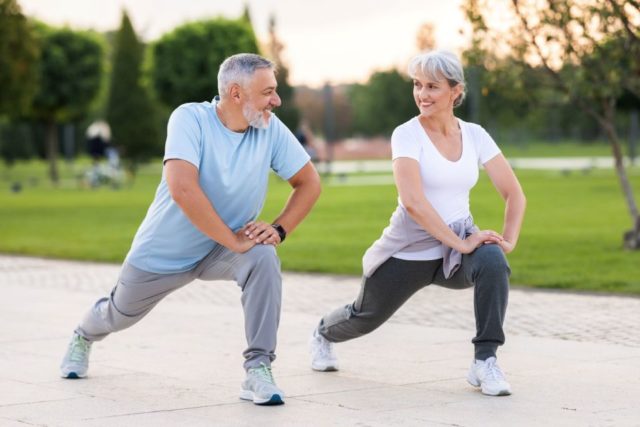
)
(255, 117)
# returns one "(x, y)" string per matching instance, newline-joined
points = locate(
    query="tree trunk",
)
(52, 151)
(631, 237)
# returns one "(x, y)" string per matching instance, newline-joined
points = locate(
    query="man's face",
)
(261, 98)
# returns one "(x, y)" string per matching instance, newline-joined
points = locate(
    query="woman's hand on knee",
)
(482, 237)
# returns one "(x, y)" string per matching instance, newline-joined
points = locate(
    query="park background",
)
(549, 82)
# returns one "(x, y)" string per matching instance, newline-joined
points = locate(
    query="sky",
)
(334, 41)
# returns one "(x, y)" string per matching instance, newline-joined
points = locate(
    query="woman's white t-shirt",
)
(446, 184)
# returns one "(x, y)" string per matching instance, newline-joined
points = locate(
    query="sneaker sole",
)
(323, 368)
(476, 383)
(73, 376)
(275, 399)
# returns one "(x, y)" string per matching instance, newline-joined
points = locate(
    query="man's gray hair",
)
(239, 69)
(437, 64)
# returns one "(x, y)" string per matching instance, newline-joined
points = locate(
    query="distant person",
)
(203, 223)
(100, 149)
(306, 139)
(98, 137)
(432, 238)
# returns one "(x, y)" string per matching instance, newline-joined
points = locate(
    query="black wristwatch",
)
(281, 232)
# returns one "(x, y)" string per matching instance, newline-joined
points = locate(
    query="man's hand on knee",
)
(262, 233)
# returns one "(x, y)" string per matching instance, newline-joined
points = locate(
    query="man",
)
(202, 222)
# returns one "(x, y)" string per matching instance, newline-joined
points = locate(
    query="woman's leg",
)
(380, 296)
(487, 270)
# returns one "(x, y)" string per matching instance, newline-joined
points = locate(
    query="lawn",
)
(571, 237)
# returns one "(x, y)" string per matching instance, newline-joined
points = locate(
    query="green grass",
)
(571, 237)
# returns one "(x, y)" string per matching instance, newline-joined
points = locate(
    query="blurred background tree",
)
(585, 54)
(18, 56)
(186, 60)
(70, 70)
(287, 112)
(19, 53)
(382, 104)
(130, 110)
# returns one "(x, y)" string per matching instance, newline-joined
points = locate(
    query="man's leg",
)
(135, 294)
(257, 272)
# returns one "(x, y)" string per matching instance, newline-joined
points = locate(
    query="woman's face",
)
(434, 96)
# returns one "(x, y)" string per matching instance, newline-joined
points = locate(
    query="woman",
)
(431, 237)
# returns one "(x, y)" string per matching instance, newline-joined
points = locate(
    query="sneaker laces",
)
(79, 349)
(264, 373)
(493, 371)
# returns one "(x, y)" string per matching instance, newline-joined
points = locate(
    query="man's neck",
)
(231, 116)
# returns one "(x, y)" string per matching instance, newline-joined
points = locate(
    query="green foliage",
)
(186, 60)
(18, 55)
(70, 70)
(130, 111)
(16, 141)
(382, 104)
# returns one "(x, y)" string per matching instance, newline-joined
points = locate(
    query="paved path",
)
(572, 359)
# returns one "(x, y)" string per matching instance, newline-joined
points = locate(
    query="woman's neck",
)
(444, 124)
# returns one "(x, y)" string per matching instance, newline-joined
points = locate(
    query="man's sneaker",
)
(76, 361)
(488, 375)
(260, 388)
(323, 357)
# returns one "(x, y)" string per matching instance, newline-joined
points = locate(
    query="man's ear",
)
(235, 92)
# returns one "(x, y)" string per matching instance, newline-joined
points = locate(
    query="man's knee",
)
(261, 257)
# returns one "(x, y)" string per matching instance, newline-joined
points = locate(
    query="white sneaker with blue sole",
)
(260, 387)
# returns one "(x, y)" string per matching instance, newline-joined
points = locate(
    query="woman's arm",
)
(505, 181)
(406, 172)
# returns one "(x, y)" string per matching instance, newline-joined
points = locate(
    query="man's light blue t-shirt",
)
(234, 173)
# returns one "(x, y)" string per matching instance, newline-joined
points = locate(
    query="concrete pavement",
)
(572, 359)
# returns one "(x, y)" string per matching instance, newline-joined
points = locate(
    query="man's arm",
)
(183, 181)
(306, 190)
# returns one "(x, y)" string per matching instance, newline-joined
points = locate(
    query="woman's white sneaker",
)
(323, 357)
(487, 375)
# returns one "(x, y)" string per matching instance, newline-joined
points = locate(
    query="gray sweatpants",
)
(393, 283)
(256, 271)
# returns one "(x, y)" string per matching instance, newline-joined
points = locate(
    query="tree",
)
(186, 60)
(382, 104)
(590, 51)
(69, 71)
(426, 37)
(18, 56)
(287, 112)
(130, 111)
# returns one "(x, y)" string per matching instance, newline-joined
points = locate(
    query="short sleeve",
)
(404, 144)
(184, 136)
(486, 146)
(288, 156)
